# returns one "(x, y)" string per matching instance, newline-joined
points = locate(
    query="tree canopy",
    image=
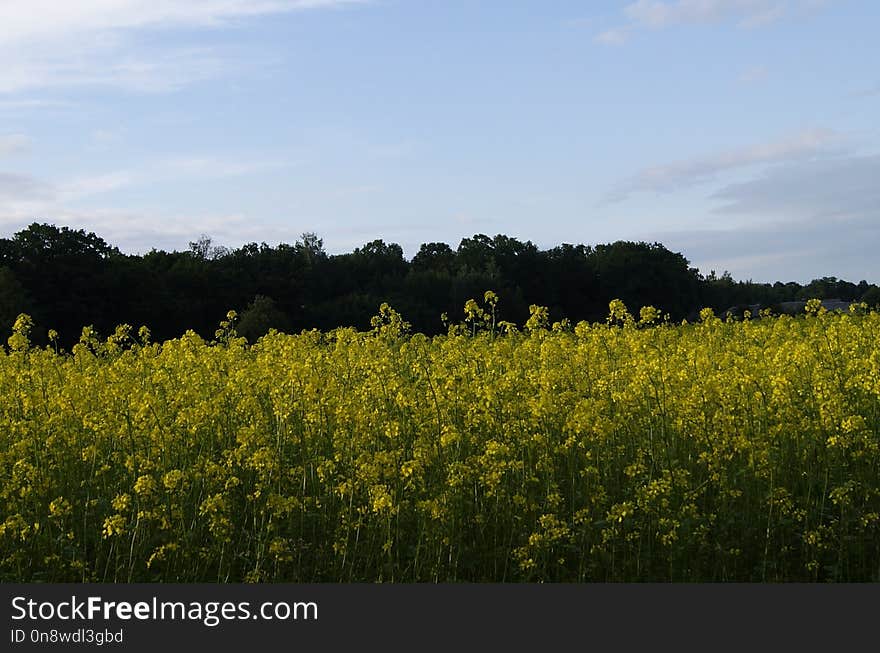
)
(69, 278)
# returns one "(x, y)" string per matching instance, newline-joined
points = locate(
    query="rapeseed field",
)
(634, 449)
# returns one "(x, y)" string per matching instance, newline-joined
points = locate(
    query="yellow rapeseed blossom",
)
(628, 449)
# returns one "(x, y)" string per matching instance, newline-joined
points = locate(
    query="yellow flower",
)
(145, 485)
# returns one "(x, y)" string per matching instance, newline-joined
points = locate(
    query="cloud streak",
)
(678, 175)
(824, 188)
(16, 187)
(42, 20)
(171, 169)
(868, 92)
(87, 202)
(29, 105)
(25, 199)
(657, 14)
(753, 75)
(13, 144)
(784, 250)
(661, 14)
(612, 37)
(136, 232)
(797, 221)
(44, 43)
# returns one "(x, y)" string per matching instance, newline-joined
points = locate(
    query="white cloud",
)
(652, 13)
(81, 187)
(612, 37)
(43, 20)
(868, 92)
(137, 232)
(682, 174)
(784, 249)
(26, 197)
(753, 75)
(45, 43)
(799, 220)
(659, 14)
(13, 144)
(105, 138)
(822, 188)
(206, 167)
(118, 65)
(31, 104)
(21, 188)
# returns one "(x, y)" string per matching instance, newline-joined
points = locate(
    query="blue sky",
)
(742, 133)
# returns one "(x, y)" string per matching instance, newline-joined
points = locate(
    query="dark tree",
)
(13, 301)
(259, 317)
(67, 279)
(643, 274)
(65, 273)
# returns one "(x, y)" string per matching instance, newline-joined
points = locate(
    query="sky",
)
(741, 133)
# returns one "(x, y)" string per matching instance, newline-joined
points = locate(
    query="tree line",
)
(66, 279)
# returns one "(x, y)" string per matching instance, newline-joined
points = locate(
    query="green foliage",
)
(872, 297)
(67, 278)
(261, 315)
(13, 300)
